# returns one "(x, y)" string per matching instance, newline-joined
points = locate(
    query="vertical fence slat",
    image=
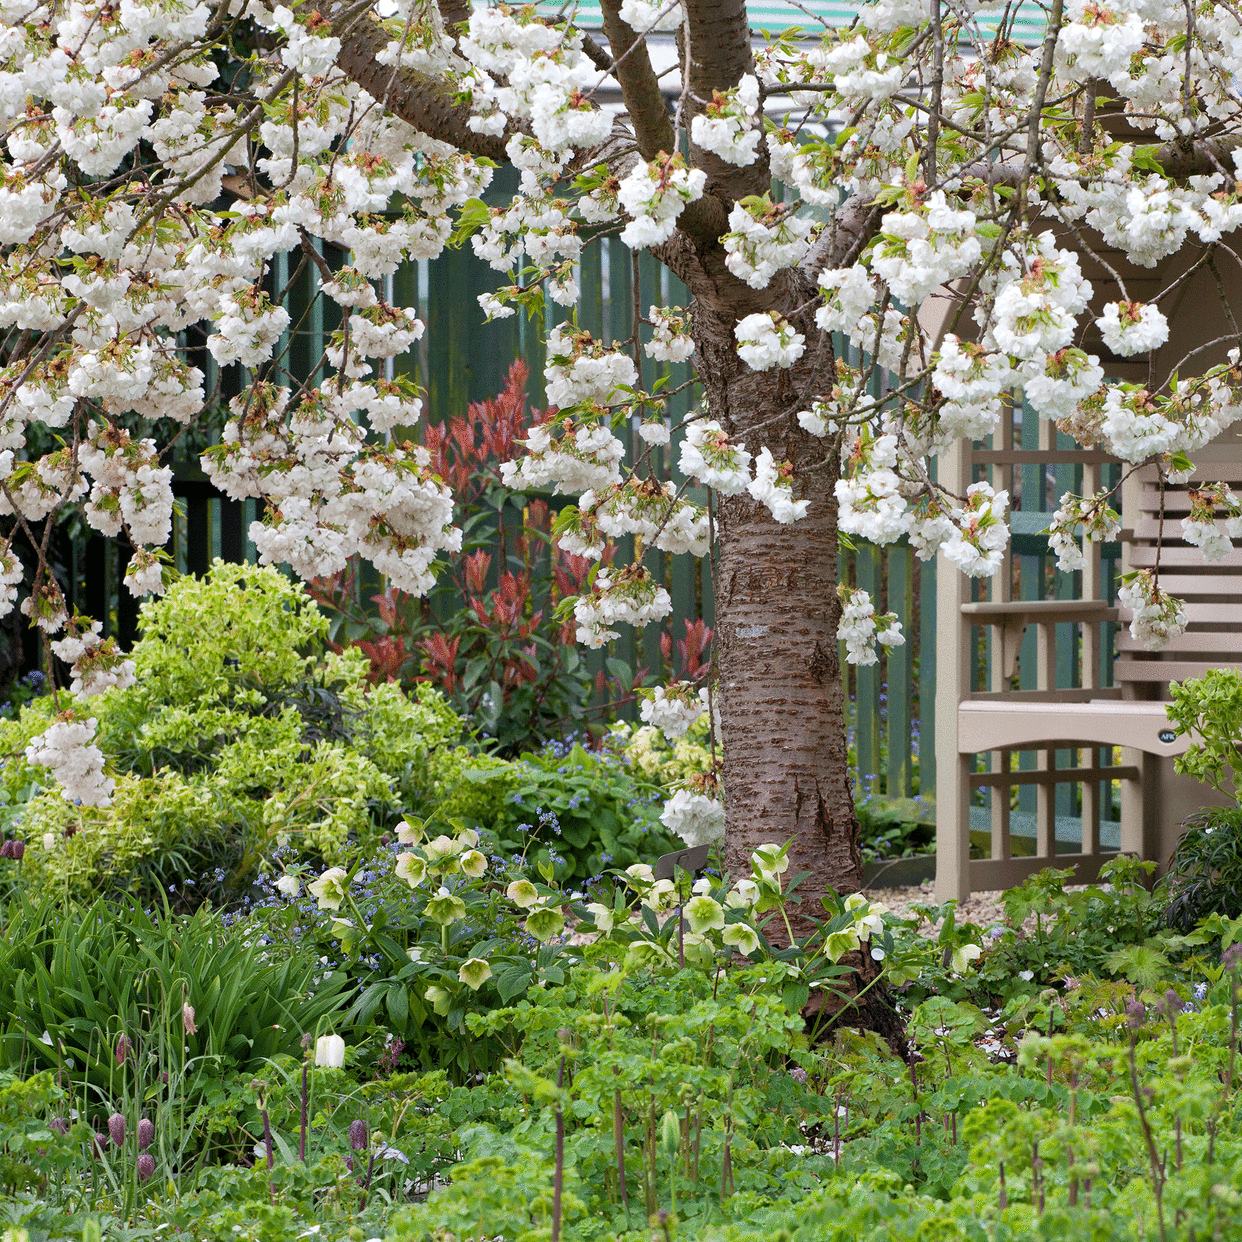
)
(900, 681)
(868, 694)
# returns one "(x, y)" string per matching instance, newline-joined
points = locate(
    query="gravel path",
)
(985, 908)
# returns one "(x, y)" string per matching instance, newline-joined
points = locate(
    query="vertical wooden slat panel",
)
(900, 561)
(868, 675)
(926, 625)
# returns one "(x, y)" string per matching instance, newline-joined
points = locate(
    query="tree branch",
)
(454, 13)
(639, 86)
(852, 226)
(417, 98)
(720, 55)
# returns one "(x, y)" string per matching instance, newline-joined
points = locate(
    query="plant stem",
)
(559, 1177)
(618, 1135)
(1157, 1173)
(302, 1126)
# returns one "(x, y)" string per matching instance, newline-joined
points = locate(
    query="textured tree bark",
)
(785, 771)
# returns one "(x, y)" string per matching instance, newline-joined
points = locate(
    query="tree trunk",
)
(782, 703)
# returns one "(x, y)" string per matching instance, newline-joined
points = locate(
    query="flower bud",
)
(187, 1019)
(358, 1135)
(6, 849)
(146, 1133)
(58, 1125)
(19, 850)
(116, 1128)
(1136, 1014)
(123, 1046)
(100, 1145)
(146, 1166)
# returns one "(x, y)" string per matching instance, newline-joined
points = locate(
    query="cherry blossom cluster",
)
(1093, 515)
(860, 627)
(763, 239)
(674, 708)
(695, 814)
(97, 665)
(729, 125)
(1200, 526)
(670, 335)
(67, 749)
(1156, 618)
(630, 595)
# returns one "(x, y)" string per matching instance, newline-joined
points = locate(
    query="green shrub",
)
(1210, 707)
(1205, 872)
(582, 812)
(241, 733)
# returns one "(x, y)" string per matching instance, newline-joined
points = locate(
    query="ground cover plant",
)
(474, 1050)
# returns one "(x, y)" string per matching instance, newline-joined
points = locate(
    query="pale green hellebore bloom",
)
(441, 854)
(703, 914)
(770, 861)
(523, 893)
(328, 889)
(646, 953)
(837, 944)
(474, 973)
(545, 922)
(743, 938)
(603, 916)
(445, 908)
(473, 863)
(440, 999)
(411, 832)
(641, 875)
(411, 868)
(290, 885)
(963, 955)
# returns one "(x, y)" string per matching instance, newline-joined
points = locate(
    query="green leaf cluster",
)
(243, 732)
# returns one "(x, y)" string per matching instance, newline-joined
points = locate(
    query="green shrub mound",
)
(242, 732)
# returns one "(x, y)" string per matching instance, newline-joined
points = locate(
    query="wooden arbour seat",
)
(1121, 689)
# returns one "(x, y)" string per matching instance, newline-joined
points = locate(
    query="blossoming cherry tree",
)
(927, 155)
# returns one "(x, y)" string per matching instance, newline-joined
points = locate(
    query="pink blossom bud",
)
(146, 1133)
(116, 1128)
(146, 1166)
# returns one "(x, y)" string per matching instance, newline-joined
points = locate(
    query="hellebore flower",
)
(328, 890)
(523, 893)
(474, 973)
(704, 913)
(411, 868)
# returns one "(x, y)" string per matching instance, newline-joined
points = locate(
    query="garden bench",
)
(1115, 692)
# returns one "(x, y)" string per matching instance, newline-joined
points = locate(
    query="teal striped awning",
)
(777, 15)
